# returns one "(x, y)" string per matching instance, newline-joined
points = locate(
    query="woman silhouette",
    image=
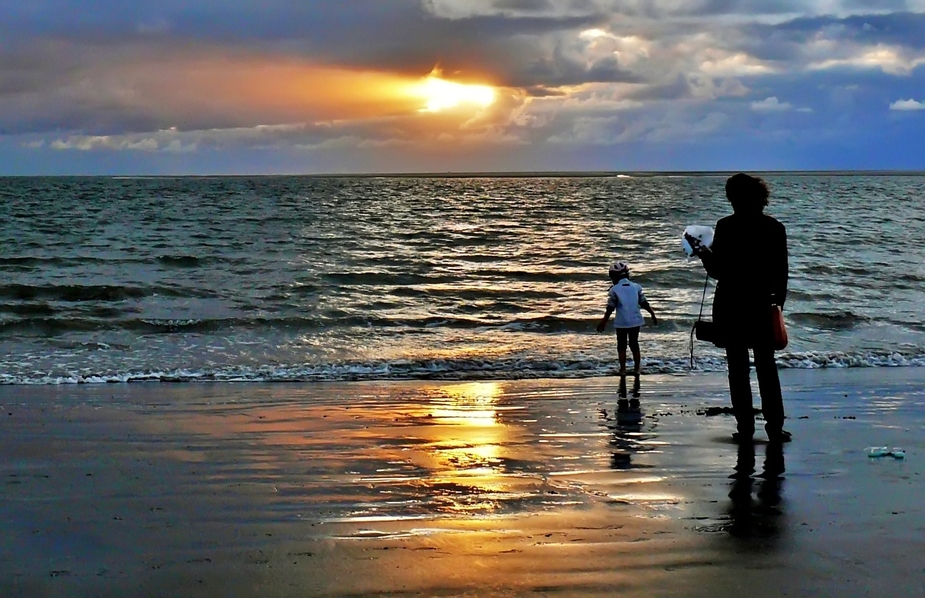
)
(748, 258)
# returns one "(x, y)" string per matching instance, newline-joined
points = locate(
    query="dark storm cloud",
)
(398, 36)
(519, 48)
(903, 29)
(559, 69)
(525, 5)
(872, 5)
(786, 42)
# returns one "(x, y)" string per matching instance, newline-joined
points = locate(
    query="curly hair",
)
(747, 193)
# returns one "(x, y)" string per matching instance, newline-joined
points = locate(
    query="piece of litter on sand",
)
(878, 451)
(898, 453)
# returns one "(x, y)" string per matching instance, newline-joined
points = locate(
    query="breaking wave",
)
(460, 369)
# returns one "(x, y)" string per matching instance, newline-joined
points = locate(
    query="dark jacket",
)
(748, 259)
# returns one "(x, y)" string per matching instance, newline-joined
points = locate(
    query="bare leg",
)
(634, 346)
(622, 334)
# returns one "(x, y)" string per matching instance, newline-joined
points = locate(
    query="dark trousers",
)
(740, 388)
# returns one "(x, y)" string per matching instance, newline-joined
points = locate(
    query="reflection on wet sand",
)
(458, 436)
(636, 387)
(415, 452)
(518, 488)
(627, 426)
(756, 513)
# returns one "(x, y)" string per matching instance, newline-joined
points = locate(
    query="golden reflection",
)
(470, 404)
(466, 448)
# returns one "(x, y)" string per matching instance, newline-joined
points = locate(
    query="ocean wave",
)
(76, 293)
(43, 319)
(514, 368)
(811, 360)
(71, 292)
(835, 321)
(180, 261)
(50, 326)
(463, 293)
(28, 309)
(542, 276)
(385, 279)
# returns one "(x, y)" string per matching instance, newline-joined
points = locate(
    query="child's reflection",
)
(626, 427)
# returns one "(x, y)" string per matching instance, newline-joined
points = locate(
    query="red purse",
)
(779, 338)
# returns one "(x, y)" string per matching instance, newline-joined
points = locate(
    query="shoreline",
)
(521, 487)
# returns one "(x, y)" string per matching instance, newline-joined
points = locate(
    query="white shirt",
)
(625, 298)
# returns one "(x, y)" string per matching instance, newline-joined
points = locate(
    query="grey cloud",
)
(403, 36)
(786, 43)
(368, 133)
(872, 5)
(495, 44)
(541, 91)
(905, 29)
(558, 68)
(676, 88)
(399, 35)
(524, 5)
(649, 9)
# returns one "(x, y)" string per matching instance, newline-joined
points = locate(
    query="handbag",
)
(779, 337)
(704, 330)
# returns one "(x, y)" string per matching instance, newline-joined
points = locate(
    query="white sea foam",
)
(462, 369)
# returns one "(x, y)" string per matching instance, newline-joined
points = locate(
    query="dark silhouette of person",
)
(748, 259)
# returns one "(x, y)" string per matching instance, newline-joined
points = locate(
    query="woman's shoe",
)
(742, 437)
(779, 436)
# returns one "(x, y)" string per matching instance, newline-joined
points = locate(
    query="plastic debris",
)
(875, 452)
(878, 451)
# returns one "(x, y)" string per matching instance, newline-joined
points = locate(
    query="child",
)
(626, 298)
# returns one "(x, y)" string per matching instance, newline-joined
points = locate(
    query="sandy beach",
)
(507, 488)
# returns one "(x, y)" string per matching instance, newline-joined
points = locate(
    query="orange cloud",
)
(195, 87)
(258, 90)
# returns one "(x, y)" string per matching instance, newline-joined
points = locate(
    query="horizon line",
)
(491, 174)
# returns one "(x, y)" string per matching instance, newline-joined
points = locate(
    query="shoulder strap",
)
(703, 298)
(706, 281)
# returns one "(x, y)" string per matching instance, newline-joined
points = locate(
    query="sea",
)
(312, 278)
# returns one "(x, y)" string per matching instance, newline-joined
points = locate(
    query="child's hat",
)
(619, 269)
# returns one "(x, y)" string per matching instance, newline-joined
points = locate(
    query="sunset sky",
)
(362, 86)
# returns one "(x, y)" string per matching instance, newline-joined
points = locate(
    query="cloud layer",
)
(580, 84)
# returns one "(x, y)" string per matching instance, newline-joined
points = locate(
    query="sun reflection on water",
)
(466, 447)
(471, 404)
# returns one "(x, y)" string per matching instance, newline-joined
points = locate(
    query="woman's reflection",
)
(756, 516)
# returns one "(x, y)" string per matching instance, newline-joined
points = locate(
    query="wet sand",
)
(445, 488)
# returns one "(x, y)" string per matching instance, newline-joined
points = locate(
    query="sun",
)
(439, 94)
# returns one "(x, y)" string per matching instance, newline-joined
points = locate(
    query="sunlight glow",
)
(440, 94)
(590, 34)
